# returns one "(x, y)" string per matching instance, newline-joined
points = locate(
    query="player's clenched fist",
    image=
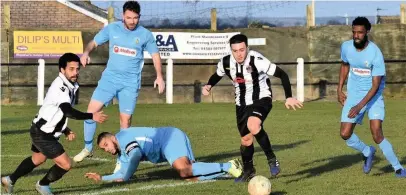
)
(206, 89)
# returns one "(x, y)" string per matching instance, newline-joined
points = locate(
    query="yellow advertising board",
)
(46, 44)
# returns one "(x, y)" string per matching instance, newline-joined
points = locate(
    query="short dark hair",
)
(133, 6)
(362, 21)
(102, 136)
(239, 38)
(67, 57)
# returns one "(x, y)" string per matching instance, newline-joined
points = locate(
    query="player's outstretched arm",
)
(344, 70)
(85, 59)
(135, 158)
(291, 102)
(127, 169)
(214, 79)
(70, 135)
(72, 113)
(159, 81)
(100, 38)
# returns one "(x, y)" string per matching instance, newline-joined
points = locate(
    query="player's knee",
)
(183, 167)
(378, 136)
(185, 172)
(38, 159)
(125, 122)
(345, 135)
(378, 139)
(247, 140)
(64, 164)
(94, 107)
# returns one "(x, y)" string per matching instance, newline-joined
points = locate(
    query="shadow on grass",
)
(332, 164)
(15, 132)
(388, 168)
(225, 156)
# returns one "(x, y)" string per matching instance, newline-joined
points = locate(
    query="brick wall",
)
(47, 15)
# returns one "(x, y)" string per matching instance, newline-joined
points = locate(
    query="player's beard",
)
(130, 27)
(362, 43)
(71, 79)
(117, 149)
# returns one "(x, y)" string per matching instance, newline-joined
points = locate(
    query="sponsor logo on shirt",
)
(124, 51)
(361, 71)
(239, 80)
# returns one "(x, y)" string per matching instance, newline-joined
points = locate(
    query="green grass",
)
(313, 157)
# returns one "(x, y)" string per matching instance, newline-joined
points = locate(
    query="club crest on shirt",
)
(137, 40)
(366, 63)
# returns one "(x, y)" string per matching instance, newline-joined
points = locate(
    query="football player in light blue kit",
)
(364, 64)
(157, 145)
(122, 77)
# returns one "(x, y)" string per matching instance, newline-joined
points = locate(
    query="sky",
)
(284, 9)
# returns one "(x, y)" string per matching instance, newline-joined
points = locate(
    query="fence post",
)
(197, 91)
(300, 80)
(41, 81)
(110, 14)
(169, 81)
(213, 22)
(403, 13)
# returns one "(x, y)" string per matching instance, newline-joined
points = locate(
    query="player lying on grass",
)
(157, 145)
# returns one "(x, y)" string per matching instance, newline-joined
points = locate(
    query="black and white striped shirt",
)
(250, 79)
(50, 118)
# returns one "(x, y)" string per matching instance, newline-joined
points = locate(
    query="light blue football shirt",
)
(364, 65)
(126, 50)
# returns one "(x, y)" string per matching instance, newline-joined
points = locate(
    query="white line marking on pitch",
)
(148, 187)
(108, 191)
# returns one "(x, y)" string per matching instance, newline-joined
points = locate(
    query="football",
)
(259, 185)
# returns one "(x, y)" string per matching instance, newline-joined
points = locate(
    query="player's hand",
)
(96, 177)
(341, 97)
(161, 84)
(354, 111)
(206, 89)
(85, 59)
(293, 102)
(70, 136)
(99, 117)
